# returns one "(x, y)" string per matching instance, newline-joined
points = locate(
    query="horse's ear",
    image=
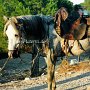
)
(14, 19)
(5, 19)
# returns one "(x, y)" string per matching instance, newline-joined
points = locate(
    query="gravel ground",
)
(74, 78)
(77, 81)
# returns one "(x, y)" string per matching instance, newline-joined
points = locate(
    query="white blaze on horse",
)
(13, 35)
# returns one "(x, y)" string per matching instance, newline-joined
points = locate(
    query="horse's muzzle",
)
(13, 53)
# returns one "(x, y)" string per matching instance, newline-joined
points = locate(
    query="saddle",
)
(78, 33)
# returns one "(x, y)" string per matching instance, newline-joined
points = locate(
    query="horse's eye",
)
(16, 35)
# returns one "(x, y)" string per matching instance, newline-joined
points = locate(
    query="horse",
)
(32, 29)
(74, 33)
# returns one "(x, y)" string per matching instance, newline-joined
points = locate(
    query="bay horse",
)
(74, 33)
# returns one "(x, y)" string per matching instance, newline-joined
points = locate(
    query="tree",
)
(50, 8)
(34, 6)
(65, 3)
(86, 4)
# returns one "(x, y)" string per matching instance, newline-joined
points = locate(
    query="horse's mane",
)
(59, 19)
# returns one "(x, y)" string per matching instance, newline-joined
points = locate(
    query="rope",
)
(33, 60)
(4, 65)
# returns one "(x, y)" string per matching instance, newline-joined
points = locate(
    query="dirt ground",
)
(68, 77)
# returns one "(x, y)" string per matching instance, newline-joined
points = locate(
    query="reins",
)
(4, 65)
(32, 61)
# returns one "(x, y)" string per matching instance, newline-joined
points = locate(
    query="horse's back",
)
(33, 26)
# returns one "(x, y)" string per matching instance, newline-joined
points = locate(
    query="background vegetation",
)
(26, 7)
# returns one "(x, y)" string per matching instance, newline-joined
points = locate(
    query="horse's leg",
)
(78, 58)
(53, 62)
(66, 48)
(35, 61)
(53, 81)
(50, 70)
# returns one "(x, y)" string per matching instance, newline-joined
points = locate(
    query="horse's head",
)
(64, 13)
(12, 32)
(61, 15)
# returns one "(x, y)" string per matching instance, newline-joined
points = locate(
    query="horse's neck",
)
(58, 30)
(55, 35)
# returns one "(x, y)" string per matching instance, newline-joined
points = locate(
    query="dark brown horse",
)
(73, 32)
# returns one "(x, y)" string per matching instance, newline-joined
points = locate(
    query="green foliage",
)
(86, 4)
(65, 3)
(3, 42)
(50, 8)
